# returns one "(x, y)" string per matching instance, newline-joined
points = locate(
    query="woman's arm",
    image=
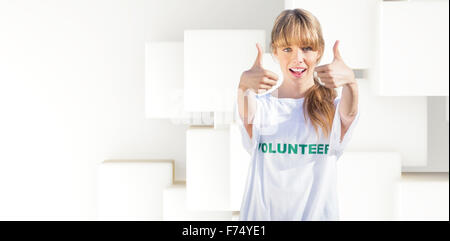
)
(254, 80)
(349, 106)
(247, 108)
(337, 74)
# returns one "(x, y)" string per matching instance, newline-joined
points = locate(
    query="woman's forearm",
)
(246, 104)
(349, 100)
(246, 108)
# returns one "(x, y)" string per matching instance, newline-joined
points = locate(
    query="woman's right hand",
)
(257, 78)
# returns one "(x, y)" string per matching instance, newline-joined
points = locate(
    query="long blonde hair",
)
(300, 27)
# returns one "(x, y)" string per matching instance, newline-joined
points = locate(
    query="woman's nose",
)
(299, 55)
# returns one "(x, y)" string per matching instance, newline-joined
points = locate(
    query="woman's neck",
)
(291, 89)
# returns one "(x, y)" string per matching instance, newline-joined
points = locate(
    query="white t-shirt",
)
(292, 174)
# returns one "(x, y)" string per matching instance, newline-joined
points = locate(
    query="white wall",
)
(438, 137)
(72, 93)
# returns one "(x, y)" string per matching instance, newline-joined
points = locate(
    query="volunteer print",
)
(286, 148)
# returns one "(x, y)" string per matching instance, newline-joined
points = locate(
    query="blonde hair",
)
(300, 27)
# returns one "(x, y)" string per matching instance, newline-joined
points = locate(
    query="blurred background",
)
(123, 110)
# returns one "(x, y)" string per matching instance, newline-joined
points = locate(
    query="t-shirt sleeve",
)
(249, 143)
(335, 139)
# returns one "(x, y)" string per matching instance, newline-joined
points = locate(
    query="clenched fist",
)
(257, 78)
(337, 73)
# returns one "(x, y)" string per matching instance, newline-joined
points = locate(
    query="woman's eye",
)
(304, 49)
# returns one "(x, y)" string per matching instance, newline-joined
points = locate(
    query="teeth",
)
(297, 70)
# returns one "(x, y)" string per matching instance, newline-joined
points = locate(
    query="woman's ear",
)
(319, 57)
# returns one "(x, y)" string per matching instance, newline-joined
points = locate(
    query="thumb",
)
(337, 54)
(259, 57)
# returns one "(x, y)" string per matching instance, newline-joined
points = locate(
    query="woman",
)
(296, 133)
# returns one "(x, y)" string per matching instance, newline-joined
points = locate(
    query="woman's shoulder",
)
(264, 101)
(336, 100)
(263, 97)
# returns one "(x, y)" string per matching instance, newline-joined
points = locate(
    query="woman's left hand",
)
(337, 73)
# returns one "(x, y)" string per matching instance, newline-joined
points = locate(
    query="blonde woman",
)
(295, 134)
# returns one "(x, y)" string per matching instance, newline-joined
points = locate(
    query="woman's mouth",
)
(297, 72)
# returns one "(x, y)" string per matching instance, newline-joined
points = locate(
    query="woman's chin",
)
(297, 80)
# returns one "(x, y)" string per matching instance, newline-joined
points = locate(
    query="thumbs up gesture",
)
(337, 73)
(257, 78)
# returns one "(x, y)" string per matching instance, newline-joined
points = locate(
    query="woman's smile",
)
(297, 73)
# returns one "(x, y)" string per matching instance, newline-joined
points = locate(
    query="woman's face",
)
(294, 59)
